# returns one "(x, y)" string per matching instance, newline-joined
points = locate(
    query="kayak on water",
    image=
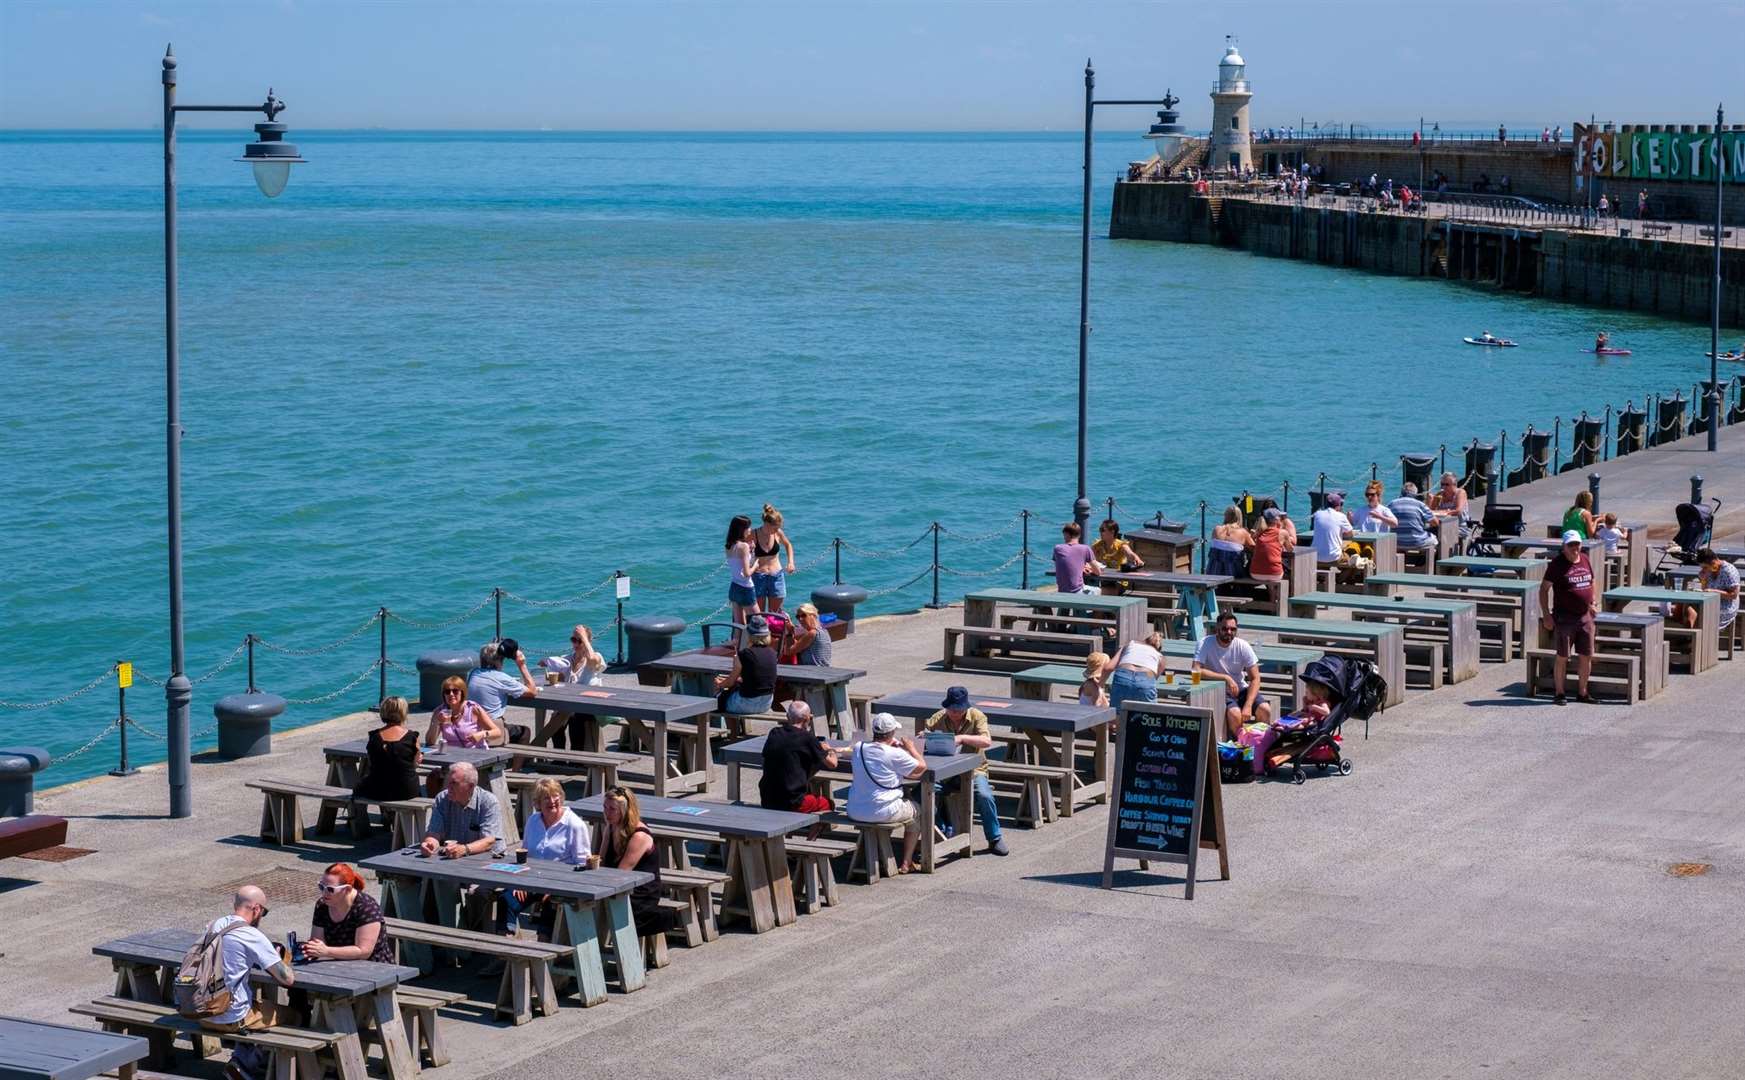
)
(1494, 343)
(1733, 356)
(1608, 352)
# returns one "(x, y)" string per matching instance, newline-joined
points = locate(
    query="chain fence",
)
(317, 650)
(444, 624)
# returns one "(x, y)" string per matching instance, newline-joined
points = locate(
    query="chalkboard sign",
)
(1167, 803)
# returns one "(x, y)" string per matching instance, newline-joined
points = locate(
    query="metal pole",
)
(1081, 507)
(837, 544)
(1111, 503)
(178, 691)
(935, 603)
(1502, 454)
(497, 626)
(1287, 502)
(1715, 313)
(1025, 561)
(382, 655)
(619, 658)
(1556, 444)
(249, 641)
(1372, 470)
(1202, 536)
(1606, 436)
(1444, 467)
(123, 768)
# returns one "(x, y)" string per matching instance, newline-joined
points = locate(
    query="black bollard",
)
(1593, 488)
(1696, 489)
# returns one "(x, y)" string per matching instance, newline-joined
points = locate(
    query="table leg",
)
(1100, 758)
(579, 928)
(700, 751)
(336, 1017)
(733, 781)
(543, 729)
(928, 823)
(775, 852)
(1069, 760)
(626, 946)
(499, 786)
(749, 883)
(660, 762)
(397, 1050)
(404, 899)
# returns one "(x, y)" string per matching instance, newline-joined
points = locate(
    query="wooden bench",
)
(1037, 621)
(696, 889)
(293, 1052)
(528, 980)
(673, 843)
(1009, 641)
(1269, 598)
(418, 1015)
(1036, 800)
(1424, 660)
(600, 766)
(31, 833)
(1496, 632)
(1620, 674)
(873, 854)
(814, 876)
(282, 819)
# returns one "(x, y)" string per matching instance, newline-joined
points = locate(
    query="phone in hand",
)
(294, 947)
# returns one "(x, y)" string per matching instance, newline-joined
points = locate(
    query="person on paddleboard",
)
(1600, 340)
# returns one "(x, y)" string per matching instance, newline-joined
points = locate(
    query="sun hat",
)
(1570, 536)
(757, 626)
(957, 697)
(884, 724)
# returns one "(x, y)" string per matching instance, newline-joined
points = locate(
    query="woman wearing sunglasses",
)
(348, 921)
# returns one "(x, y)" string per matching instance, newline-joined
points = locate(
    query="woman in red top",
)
(1267, 562)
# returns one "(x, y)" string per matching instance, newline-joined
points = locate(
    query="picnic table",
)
(1518, 597)
(1544, 547)
(1382, 644)
(1705, 639)
(935, 846)
(345, 764)
(1039, 722)
(339, 990)
(1128, 612)
(825, 689)
(1455, 622)
(34, 1050)
(640, 709)
(1493, 566)
(1387, 549)
(1643, 635)
(428, 889)
(757, 854)
(1198, 592)
(1038, 683)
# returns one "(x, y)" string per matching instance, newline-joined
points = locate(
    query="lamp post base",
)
(1081, 514)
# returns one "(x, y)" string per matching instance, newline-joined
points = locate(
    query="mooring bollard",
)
(18, 768)
(1696, 489)
(650, 637)
(437, 665)
(839, 600)
(1490, 484)
(245, 724)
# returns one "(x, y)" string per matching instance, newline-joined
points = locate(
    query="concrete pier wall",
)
(1660, 277)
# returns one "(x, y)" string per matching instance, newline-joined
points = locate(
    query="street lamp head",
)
(271, 156)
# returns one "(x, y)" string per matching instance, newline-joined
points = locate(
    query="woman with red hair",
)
(348, 921)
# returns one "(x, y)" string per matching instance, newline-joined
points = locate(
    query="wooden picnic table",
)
(1519, 596)
(1127, 611)
(1705, 647)
(825, 689)
(1641, 634)
(757, 853)
(345, 764)
(1454, 621)
(1387, 550)
(1382, 644)
(428, 889)
(1039, 721)
(339, 991)
(1544, 547)
(935, 845)
(1197, 593)
(1494, 566)
(1038, 683)
(640, 709)
(34, 1050)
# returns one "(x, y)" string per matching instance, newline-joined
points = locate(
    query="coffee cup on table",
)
(552, 678)
(521, 855)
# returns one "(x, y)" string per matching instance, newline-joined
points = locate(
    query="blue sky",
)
(874, 64)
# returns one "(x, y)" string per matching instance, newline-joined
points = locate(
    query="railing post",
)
(1556, 444)
(1606, 436)
(1696, 490)
(1111, 504)
(249, 640)
(1024, 582)
(382, 655)
(1202, 536)
(837, 544)
(619, 658)
(1593, 489)
(1444, 467)
(1287, 502)
(497, 597)
(1373, 471)
(935, 603)
(123, 768)
(1502, 454)
(1321, 483)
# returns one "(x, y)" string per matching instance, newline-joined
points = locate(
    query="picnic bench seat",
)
(528, 980)
(293, 1052)
(1619, 673)
(1424, 661)
(814, 876)
(600, 766)
(873, 854)
(696, 889)
(282, 820)
(418, 1008)
(31, 833)
(1057, 644)
(1037, 620)
(1036, 805)
(673, 843)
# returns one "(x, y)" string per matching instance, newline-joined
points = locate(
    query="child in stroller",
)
(1334, 690)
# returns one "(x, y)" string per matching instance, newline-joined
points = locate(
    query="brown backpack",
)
(200, 990)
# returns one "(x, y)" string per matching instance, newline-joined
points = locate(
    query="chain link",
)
(889, 553)
(108, 730)
(444, 624)
(687, 586)
(983, 537)
(899, 588)
(318, 650)
(943, 569)
(64, 698)
(319, 699)
(709, 617)
(147, 732)
(568, 601)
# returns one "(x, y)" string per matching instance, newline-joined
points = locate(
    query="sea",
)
(467, 377)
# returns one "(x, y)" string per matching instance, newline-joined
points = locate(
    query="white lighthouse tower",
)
(1231, 149)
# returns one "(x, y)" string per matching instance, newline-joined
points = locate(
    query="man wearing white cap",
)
(1569, 600)
(879, 768)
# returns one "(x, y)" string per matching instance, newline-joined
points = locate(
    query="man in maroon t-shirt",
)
(1568, 599)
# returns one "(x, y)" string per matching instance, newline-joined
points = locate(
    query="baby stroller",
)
(1500, 520)
(1356, 692)
(1696, 530)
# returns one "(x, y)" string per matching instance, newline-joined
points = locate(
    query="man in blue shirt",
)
(1415, 520)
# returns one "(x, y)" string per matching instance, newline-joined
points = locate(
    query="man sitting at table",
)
(1071, 557)
(1223, 655)
(792, 755)
(968, 727)
(1716, 575)
(243, 948)
(1332, 528)
(492, 689)
(1415, 521)
(879, 767)
(465, 820)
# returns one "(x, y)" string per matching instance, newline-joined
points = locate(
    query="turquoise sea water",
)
(446, 362)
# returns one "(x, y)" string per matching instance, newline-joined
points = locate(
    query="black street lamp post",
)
(1713, 420)
(272, 159)
(1081, 508)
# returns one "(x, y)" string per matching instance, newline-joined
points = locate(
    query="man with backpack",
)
(213, 983)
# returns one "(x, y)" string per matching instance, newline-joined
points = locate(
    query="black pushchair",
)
(1500, 520)
(1696, 530)
(1356, 691)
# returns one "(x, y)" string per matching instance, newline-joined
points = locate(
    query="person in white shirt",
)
(1223, 655)
(1331, 528)
(556, 834)
(879, 768)
(584, 666)
(243, 949)
(1134, 670)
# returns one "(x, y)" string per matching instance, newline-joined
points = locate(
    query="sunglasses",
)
(329, 890)
(454, 693)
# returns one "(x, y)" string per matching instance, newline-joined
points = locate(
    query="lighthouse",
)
(1231, 150)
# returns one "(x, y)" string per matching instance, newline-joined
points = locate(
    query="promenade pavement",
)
(1487, 894)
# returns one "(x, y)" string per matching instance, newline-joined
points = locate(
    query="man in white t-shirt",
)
(244, 949)
(1223, 655)
(1332, 529)
(879, 767)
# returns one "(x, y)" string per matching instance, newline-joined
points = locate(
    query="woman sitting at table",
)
(584, 666)
(750, 687)
(1449, 500)
(1580, 517)
(626, 844)
(556, 834)
(1373, 515)
(1267, 563)
(1230, 544)
(348, 921)
(1115, 553)
(391, 757)
(459, 722)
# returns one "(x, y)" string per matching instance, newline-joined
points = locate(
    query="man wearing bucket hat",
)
(968, 727)
(1569, 600)
(878, 767)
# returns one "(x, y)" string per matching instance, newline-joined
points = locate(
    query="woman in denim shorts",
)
(739, 590)
(768, 542)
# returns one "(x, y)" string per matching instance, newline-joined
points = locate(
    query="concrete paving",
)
(1487, 894)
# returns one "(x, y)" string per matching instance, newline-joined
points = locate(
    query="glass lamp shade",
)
(271, 177)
